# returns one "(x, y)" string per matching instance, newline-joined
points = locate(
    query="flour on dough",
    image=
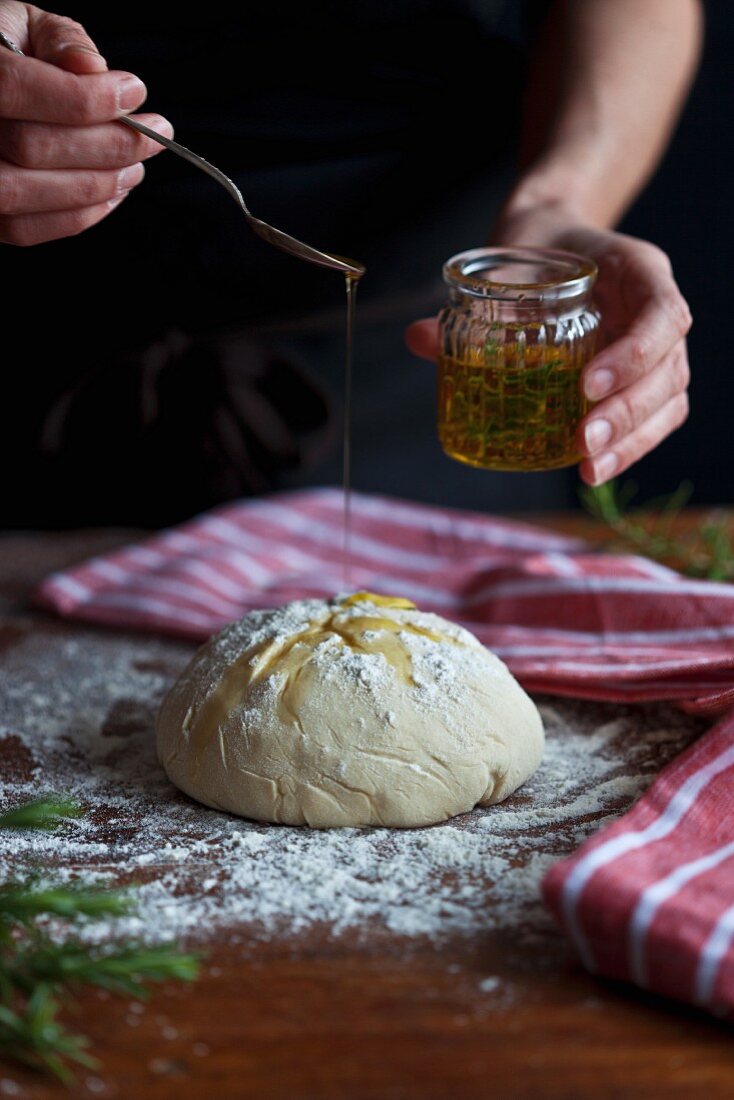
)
(350, 712)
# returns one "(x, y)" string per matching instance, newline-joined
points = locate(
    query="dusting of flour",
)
(76, 716)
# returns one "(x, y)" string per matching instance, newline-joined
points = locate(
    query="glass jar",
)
(514, 336)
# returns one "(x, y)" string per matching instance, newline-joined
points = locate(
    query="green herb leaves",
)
(707, 550)
(38, 971)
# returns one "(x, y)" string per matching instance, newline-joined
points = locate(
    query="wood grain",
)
(313, 1018)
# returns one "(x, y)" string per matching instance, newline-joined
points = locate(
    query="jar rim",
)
(466, 272)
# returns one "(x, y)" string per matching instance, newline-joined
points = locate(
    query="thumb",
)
(63, 43)
(422, 338)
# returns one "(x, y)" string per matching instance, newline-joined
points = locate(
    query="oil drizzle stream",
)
(351, 283)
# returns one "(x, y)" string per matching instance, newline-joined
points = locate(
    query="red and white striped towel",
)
(650, 899)
(565, 619)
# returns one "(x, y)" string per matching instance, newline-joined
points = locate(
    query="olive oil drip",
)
(351, 284)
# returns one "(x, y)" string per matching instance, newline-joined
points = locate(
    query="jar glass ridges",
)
(514, 336)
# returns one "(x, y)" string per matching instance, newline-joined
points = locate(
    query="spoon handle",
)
(9, 44)
(192, 158)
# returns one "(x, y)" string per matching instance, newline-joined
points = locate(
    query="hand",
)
(64, 162)
(640, 376)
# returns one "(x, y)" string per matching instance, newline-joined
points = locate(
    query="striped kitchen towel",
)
(566, 619)
(650, 899)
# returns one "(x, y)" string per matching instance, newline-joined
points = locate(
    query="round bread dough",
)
(354, 711)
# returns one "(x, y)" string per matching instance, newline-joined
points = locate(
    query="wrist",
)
(547, 202)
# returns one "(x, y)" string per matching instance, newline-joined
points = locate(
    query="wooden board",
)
(482, 1006)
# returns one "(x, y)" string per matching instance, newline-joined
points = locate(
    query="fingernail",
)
(112, 203)
(130, 93)
(598, 384)
(161, 126)
(596, 434)
(605, 467)
(129, 177)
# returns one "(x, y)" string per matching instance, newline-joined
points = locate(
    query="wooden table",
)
(318, 1018)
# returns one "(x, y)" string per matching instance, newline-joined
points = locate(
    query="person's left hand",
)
(639, 378)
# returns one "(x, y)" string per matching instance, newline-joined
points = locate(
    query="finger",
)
(14, 19)
(661, 323)
(33, 91)
(608, 464)
(26, 191)
(618, 416)
(109, 145)
(422, 338)
(30, 229)
(62, 42)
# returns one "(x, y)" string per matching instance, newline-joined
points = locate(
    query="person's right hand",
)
(64, 162)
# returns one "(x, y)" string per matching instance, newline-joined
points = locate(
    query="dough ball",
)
(354, 711)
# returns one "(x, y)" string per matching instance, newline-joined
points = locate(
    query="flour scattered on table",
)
(76, 716)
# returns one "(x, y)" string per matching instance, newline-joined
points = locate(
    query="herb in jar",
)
(515, 336)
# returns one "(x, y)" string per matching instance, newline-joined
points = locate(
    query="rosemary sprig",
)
(124, 971)
(37, 973)
(21, 902)
(35, 1038)
(44, 813)
(706, 551)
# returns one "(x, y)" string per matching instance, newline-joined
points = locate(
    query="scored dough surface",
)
(359, 711)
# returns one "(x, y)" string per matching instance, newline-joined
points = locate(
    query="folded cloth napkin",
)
(650, 899)
(566, 620)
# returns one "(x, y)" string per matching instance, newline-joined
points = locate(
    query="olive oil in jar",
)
(515, 336)
(512, 406)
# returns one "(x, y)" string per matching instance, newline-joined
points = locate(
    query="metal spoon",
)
(268, 233)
